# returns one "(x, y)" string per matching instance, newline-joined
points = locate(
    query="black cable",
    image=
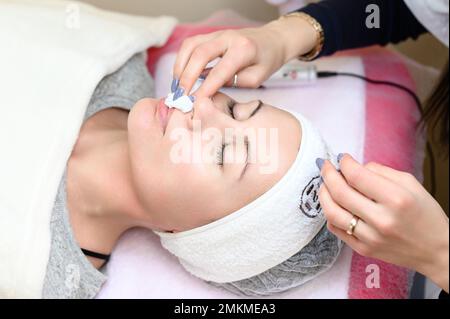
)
(326, 74)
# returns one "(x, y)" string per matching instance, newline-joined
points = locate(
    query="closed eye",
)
(232, 103)
(220, 154)
(260, 104)
(230, 106)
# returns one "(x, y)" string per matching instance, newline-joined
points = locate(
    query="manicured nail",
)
(178, 93)
(192, 98)
(174, 86)
(339, 157)
(319, 162)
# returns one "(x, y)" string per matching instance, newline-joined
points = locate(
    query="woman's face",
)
(190, 169)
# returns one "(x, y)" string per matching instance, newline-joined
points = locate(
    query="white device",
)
(293, 73)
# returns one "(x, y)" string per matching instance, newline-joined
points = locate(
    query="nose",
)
(208, 113)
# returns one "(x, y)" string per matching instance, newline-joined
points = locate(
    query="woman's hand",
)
(399, 221)
(253, 54)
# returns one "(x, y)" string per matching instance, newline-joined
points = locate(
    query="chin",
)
(143, 115)
(144, 136)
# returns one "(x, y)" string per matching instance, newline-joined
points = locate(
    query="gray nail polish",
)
(319, 162)
(175, 84)
(178, 93)
(339, 157)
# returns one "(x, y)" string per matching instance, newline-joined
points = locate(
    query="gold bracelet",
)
(319, 33)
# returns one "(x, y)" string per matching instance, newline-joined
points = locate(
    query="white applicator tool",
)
(184, 103)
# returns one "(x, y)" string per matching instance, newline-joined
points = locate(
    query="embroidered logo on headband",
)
(309, 201)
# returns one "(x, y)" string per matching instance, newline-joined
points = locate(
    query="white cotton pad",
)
(183, 103)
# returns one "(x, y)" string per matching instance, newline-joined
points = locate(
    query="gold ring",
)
(352, 226)
(235, 81)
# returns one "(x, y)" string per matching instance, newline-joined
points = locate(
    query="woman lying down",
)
(231, 189)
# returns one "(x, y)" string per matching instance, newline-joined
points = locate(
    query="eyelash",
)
(231, 104)
(221, 150)
(219, 154)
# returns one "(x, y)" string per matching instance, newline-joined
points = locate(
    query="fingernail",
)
(174, 86)
(339, 157)
(319, 162)
(178, 93)
(202, 77)
(192, 98)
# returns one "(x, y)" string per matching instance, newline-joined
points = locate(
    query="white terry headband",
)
(264, 233)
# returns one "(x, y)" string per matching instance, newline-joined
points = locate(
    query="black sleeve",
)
(344, 23)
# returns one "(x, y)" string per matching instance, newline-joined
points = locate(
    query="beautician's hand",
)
(253, 54)
(399, 221)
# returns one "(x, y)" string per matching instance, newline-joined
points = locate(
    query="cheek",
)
(191, 188)
(187, 181)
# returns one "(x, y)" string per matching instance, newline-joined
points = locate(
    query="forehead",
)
(264, 174)
(276, 147)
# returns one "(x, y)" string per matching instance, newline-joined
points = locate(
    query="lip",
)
(163, 114)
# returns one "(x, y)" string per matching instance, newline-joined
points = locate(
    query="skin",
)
(254, 54)
(399, 221)
(120, 174)
(410, 228)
